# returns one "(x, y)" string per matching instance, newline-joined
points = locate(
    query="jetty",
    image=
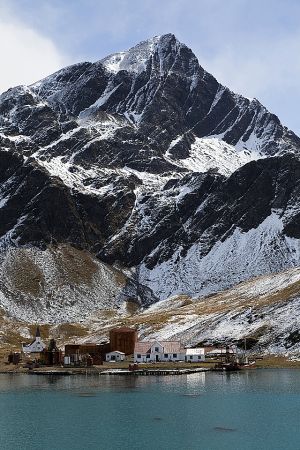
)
(50, 372)
(153, 372)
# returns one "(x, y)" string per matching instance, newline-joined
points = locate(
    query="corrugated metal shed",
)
(194, 351)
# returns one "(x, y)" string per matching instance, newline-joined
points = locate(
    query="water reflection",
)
(245, 410)
(271, 380)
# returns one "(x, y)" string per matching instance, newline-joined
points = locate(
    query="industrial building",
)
(77, 353)
(123, 340)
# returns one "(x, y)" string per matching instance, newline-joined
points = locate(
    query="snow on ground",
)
(266, 308)
(218, 96)
(76, 176)
(17, 139)
(173, 329)
(169, 303)
(212, 153)
(241, 256)
(57, 285)
(74, 179)
(3, 202)
(134, 60)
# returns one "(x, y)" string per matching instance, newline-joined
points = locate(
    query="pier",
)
(153, 372)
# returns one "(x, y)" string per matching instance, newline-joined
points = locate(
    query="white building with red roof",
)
(154, 351)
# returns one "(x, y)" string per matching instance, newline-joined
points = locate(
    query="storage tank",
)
(123, 339)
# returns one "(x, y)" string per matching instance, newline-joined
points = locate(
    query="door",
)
(156, 358)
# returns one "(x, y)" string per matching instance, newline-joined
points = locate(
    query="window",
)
(156, 349)
(165, 355)
(174, 355)
(199, 357)
(191, 357)
(138, 356)
(148, 356)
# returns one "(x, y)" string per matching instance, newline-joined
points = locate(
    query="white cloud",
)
(26, 56)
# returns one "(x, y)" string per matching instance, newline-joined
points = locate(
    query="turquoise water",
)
(258, 409)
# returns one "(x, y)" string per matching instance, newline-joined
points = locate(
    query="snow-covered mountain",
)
(144, 161)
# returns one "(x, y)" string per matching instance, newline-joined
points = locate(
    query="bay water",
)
(255, 409)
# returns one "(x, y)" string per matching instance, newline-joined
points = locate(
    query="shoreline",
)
(270, 362)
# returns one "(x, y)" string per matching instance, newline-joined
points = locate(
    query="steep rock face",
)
(146, 161)
(39, 209)
(203, 231)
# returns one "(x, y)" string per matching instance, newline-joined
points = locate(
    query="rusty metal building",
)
(123, 340)
(51, 356)
(96, 351)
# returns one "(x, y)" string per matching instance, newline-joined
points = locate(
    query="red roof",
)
(168, 346)
(172, 347)
(143, 347)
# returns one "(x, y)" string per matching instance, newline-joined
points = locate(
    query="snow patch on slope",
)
(74, 179)
(241, 256)
(57, 285)
(267, 307)
(86, 113)
(213, 153)
(134, 60)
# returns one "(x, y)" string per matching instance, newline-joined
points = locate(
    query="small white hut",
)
(115, 356)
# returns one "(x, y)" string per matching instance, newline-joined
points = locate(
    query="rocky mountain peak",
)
(159, 51)
(149, 164)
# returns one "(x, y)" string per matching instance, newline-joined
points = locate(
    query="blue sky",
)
(253, 47)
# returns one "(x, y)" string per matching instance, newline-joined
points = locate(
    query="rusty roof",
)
(172, 347)
(143, 347)
(168, 346)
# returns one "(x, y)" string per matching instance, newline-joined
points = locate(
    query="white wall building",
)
(222, 351)
(154, 351)
(115, 356)
(195, 354)
(36, 346)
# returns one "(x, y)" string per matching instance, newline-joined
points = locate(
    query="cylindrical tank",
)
(123, 340)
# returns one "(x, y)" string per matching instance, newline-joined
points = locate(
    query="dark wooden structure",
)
(96, 351)
(51, 356)
(14, 358)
